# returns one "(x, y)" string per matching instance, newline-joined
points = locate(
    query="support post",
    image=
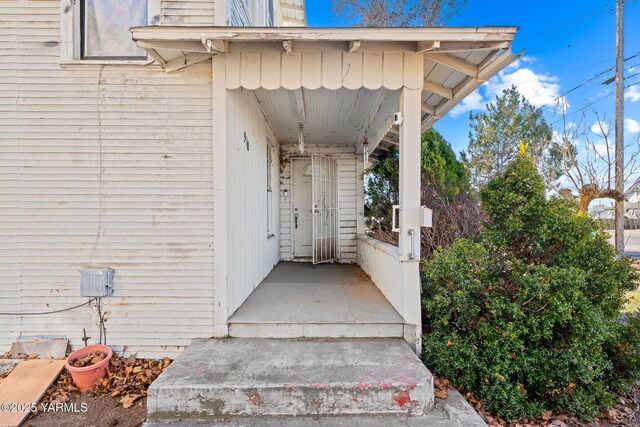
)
(409, 239)
(410, 107)
(619, 123)
(359, 194)
(220, 212)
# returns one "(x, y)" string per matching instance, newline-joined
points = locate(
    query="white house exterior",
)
(179, 164)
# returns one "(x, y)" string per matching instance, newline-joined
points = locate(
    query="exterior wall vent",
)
(96, 282)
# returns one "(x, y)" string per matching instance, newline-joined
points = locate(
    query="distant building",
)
(606, 212)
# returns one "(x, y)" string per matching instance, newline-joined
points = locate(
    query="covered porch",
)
(327, 300)
(298, 116)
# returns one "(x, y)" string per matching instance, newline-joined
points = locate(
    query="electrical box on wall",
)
(426, 217)
(96, 282)
(395, 218)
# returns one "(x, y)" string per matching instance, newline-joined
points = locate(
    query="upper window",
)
(251, 13)
(105, 28)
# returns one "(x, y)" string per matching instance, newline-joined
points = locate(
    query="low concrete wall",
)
(398, 280)
(381, 262)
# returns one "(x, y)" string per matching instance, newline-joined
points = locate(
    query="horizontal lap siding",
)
(252, 253)
(188, 12)
(104, 168)
(347, 191)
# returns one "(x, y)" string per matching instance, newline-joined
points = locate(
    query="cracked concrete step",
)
(454, 411)
(260, 377)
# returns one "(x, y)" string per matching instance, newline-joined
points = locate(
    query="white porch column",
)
(220, 212)
(409, 238)
(359, 194)
(410, 102)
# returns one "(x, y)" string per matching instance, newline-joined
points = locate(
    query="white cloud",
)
(539, 89)
(631, 126)
(600, 128)
(473, 101)
(601, 147)
(632, 94)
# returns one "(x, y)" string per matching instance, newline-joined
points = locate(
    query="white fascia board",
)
(459, 34)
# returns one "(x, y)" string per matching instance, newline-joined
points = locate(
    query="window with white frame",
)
(98, 31)
(270, 195)
(104, 29)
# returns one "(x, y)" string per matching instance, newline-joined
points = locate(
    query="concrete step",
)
(454, 411)
(315, 330)
(284, 377)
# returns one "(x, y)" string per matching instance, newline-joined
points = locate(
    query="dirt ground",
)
(103, 411)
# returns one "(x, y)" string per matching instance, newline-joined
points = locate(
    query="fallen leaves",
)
(89, 359)
(441, 387)
(127, 378)
(4, 374)
(8, 355)
(623, 414)
(127, 401)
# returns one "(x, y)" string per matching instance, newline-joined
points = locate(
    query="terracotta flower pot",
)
(86, 377)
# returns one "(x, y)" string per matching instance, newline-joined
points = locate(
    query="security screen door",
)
(324, 203)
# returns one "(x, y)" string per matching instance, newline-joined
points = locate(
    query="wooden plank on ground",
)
(25, 385)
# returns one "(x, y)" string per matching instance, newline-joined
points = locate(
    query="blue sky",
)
(566, 42)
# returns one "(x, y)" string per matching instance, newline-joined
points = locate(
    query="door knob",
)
(295, 217)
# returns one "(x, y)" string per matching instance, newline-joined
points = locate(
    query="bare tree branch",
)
(586, 164)
(398, 13)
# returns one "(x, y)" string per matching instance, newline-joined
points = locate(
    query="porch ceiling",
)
(357, 64)
(331, 116)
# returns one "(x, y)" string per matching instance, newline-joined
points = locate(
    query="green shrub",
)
(527, 316)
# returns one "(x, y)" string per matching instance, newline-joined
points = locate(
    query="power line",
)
(598, 100)
(576, 22)
(569, 21)
(584, 83)
(594, 77)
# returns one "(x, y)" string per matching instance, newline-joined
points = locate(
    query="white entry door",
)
(325, 208)
(302, 221)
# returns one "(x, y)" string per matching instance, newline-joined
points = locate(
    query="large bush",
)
(527, 315)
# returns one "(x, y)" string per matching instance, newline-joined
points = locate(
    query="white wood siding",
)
(347, 197)
(251, 13)
(252, 253)
(103, 167)
(188, 12)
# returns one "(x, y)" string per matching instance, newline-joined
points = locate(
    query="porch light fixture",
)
(365, 151)
(301, 137)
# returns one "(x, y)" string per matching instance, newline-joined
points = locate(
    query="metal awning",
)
(454, 60)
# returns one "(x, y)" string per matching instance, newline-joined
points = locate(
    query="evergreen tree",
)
(495, 134)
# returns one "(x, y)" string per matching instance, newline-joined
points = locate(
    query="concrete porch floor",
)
(329, 300)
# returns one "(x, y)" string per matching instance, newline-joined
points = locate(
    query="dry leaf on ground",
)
(126, 376)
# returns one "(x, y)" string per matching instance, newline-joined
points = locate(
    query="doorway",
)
(315, 209)
(301, 175)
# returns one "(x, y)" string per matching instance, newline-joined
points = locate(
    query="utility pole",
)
(619, 161)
